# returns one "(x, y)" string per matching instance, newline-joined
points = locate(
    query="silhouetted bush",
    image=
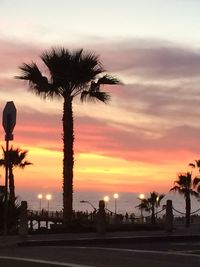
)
(12, 216)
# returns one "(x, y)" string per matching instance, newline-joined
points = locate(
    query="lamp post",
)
(106, 199)
(48, 197)
(157, 201)
(40, 196)
(141, 197)
(116, 196)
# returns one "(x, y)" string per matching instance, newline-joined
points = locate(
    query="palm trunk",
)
(188, 209)
(68, 159)
(11, 186)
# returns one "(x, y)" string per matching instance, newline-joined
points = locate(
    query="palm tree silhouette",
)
(70, 74)
(16, 159)
(185, 186)
(150, 204)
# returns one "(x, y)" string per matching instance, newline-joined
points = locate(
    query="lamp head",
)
(141, 196)
(106, 198)
(48, 197)
(40, 196)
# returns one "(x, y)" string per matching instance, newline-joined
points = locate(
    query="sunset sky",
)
(150, 129)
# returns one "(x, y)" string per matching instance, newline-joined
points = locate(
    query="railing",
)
(112, 217)
(45, 215)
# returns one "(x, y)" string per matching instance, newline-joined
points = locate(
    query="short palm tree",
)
(150, 204)
(185, 186)
(70, 74)
(16, 159)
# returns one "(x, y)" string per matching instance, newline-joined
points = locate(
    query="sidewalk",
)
(80, 239)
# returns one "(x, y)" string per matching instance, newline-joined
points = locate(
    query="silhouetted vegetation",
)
(150, 204)
(16, 160)
(196, 180)
(185, 186)
(12, 215)
(71, 74)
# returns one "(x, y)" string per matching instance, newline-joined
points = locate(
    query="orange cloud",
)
(147, 133)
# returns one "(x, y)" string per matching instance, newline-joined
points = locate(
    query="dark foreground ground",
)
(119, 249)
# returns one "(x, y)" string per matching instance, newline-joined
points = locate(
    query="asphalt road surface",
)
(156, 254)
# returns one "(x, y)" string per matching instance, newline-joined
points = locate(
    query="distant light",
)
(116, 195)
(48, 197)
(141, 196)
(40, 196)
(106, 198)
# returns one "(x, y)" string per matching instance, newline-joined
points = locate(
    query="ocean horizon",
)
(126, 202)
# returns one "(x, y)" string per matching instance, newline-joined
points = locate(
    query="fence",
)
(35, 217)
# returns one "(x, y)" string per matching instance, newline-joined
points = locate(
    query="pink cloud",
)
(178, 103)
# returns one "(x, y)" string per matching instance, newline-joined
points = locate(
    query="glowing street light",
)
(40, 196)
(141, 197)
(106, 199)
(116, 196)
(157, 202)
(48, 197)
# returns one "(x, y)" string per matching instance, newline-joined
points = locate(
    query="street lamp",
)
(106, 199)
(157, 201)
(116, 196)
(40, 196)
(48, 197)
(88, 202)
(141, 197)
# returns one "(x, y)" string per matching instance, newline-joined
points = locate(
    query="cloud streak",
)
(154, 119)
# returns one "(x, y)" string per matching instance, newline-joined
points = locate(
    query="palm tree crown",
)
(185, 185)
(149, 204)
(70, 74)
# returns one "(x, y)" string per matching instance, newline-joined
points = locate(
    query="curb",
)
(109, 240)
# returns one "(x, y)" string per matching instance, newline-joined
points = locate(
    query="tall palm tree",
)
(184, 186)
(16, 159)
(71, 74)
(150, 204)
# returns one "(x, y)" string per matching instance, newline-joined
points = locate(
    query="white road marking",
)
(44, 261)
(178, 253)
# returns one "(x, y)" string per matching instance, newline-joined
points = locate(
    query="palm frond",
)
(24, 164)
(94, 96)
(144, 205)
(2, 162)
(16, 157)
(37, 82)
(196, 180)
(177, 189)
(192, 165)
(197, 163)
(107, 79)
(198, 189)
(194, 193)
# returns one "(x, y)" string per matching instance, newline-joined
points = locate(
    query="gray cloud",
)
(153, 60)
(177, 104)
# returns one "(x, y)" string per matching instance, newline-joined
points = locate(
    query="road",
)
(156, 254)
